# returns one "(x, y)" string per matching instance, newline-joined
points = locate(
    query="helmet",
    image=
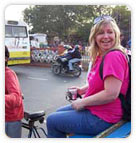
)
(76, 47)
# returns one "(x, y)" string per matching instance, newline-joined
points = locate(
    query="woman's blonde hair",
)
(93, 48)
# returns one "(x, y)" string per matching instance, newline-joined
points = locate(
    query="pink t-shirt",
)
(115, 64)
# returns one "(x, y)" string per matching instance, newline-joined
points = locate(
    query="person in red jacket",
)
(14, 110)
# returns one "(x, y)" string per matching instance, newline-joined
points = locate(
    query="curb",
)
(45, 65)
(38, 65)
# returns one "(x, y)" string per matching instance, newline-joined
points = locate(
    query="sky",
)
(14, 12)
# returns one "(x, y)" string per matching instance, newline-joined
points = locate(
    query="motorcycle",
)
(60, 67)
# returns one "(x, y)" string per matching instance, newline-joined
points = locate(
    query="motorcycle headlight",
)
(64, 59)
(80, 66)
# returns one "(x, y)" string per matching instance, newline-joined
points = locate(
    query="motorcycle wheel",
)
(56, 69)
(77, 71)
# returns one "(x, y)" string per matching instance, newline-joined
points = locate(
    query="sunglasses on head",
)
(101, 18)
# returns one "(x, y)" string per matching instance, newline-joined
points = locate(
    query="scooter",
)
(60, 67)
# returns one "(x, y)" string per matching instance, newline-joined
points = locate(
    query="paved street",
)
(43, 90)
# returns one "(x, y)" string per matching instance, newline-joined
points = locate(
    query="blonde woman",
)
(100, 108)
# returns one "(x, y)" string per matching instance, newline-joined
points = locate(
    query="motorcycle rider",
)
(60, 66)
(67, 56)
(72, 56)
(76, 57)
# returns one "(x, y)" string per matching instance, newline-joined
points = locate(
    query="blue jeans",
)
(70, 62)
(13, 129)
(67, 120)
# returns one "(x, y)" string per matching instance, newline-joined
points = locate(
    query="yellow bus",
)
(17, 41)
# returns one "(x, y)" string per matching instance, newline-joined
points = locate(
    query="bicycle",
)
(31, 119)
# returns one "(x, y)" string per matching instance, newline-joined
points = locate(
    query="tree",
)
(73, 21)
(54, 20)
(123, 17)
(85, 16)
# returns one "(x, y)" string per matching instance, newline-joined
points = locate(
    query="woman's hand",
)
(80, 90)
(78, 104)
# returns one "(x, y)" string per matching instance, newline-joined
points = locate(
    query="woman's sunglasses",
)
(101, 18)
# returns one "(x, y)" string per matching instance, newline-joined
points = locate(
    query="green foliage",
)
(123, 17)
(73, 21)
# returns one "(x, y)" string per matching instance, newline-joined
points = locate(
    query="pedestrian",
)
(14, 111)
(100, 106)
(129, 44)
(122, 39)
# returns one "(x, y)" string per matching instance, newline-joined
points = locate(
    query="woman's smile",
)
(105, 38)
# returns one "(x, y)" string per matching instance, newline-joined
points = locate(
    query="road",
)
(43, 90)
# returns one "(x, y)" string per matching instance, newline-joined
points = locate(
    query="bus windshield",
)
(15, 31)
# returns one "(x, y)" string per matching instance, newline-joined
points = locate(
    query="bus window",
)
(19, 32)
(8, 31)
(15, 31)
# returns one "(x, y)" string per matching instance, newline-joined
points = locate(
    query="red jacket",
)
(13, 97)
